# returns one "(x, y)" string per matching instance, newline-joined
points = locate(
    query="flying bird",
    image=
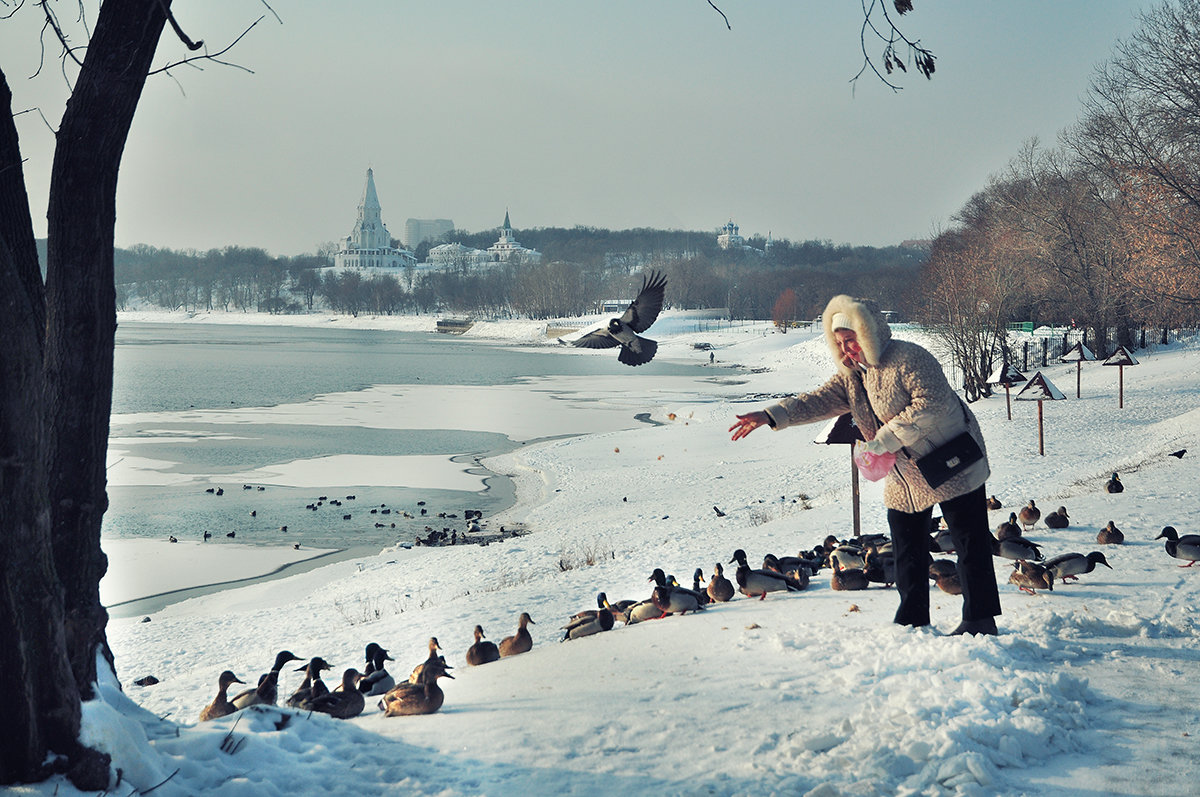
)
(641, 313)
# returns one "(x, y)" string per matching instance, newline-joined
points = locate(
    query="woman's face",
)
(847, 340)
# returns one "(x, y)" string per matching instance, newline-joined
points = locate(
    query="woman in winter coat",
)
(901, 402)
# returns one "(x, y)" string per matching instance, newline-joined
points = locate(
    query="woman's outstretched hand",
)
(748, 423)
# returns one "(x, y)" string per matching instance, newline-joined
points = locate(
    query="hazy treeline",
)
(580, 268)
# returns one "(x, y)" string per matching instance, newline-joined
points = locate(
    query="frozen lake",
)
(241, 429)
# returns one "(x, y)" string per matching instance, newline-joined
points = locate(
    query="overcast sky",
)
(607, 113)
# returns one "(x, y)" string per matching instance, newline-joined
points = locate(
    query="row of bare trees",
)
(1100, 231)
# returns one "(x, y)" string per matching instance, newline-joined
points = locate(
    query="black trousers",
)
(966, 518)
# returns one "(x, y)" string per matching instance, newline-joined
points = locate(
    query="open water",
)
(170, 369)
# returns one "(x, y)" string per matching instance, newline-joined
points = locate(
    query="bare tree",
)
(56, 396)
(1072, 223)
(1141, 128)
(974, 280)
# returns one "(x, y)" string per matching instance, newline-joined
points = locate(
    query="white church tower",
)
(508, 248)
(369, 244)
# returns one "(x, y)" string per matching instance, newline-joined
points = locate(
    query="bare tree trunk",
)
(42, 704)
(81, 307)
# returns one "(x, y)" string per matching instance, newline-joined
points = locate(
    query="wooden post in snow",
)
(843, 430)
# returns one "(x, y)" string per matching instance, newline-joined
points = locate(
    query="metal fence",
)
(1046, 345)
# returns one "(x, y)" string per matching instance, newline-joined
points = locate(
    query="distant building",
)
(417, 231)
(455, 255)
(369, 244)
(507, 248)
(728, 238)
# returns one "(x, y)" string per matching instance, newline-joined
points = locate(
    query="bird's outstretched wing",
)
(645, 308)
(599, 339)
(643, 354)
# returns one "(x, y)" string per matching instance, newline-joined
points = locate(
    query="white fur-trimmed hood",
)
(867, 321)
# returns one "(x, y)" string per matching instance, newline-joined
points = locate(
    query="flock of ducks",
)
(853, 564)
(420, 694)
(444, 536)
(1033, 571)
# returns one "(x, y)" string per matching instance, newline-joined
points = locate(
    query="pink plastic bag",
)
(872, 466)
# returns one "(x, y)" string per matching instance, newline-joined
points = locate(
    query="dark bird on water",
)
(641, 313)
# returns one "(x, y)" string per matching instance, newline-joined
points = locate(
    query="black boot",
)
(984, 627)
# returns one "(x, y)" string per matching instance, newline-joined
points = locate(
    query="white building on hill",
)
(507, 248)
(456, 255)
(728, 238)
(369, 244)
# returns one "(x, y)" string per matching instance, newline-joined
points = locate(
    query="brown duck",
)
(520, 642)
(434, 658)
(483, 651)
(720, 589)
(1058, 519)
(1110, 535)
(343, 704)
(848, 579)
(945, 574)
(221, 705)
(424, 697)
(1029, 515)
(1031, 576)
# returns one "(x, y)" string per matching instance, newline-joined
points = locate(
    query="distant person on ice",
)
(902, 403)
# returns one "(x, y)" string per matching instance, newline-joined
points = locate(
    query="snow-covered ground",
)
(1089, 689)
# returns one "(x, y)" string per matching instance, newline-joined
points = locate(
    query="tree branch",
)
(921, 57)
(213, 56)
(183, 37)
(722, 13)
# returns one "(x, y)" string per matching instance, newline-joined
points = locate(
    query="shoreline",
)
(149, 604)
